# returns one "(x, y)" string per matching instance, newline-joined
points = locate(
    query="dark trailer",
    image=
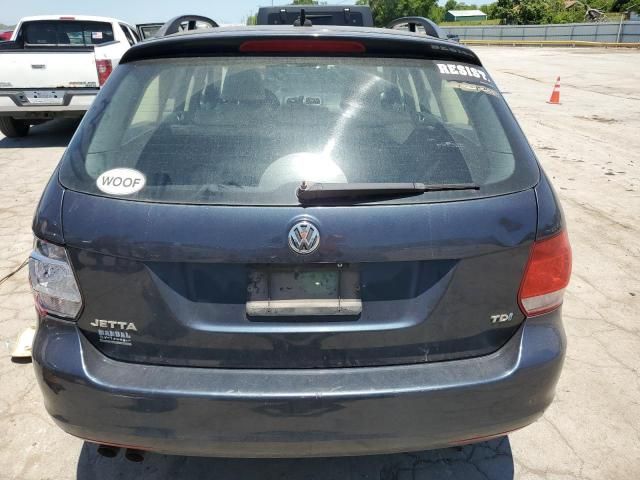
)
(353, 15)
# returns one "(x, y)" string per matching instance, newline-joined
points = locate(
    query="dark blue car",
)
(298, 241)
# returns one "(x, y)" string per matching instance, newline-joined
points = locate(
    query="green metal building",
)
(464, 16)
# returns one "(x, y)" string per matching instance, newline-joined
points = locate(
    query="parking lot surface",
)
(589, 145)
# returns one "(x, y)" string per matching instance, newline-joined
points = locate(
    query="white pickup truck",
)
(54, 66)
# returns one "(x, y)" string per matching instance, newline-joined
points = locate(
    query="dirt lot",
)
(590, 145)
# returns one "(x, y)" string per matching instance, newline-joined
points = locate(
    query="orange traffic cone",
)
(555, 95)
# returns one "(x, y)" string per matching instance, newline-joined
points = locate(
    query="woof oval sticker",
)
(121, 181)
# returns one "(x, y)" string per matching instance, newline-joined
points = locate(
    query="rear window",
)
(71, 33)
(248, 131)
(148, 31)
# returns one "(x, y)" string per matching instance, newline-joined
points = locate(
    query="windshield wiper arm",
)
(322, 191)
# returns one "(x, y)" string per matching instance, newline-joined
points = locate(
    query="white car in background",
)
(55, 65)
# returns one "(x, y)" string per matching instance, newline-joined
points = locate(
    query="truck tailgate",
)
(48, 69)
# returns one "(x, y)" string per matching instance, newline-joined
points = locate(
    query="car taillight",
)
(53, 284)
(104, 68)
(302, 46)
(546, 275)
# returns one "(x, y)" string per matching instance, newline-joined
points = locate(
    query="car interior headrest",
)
(243, 86)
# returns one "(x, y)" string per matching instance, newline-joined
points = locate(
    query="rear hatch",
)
(54, 54)
(191, 246)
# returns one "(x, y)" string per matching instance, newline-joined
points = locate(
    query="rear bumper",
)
(13, 103)
(291, 413)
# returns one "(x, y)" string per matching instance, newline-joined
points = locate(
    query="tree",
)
(621, 5)
(525, 12)
(450, 5)
(490, 10)
(561, 14)
(533, 12)
(544, 11)
(504, 11)
(437, 13)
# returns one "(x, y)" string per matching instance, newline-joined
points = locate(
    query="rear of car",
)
(298, 242)
(55, 66)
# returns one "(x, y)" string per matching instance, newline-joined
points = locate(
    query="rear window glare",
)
(67, 33)
(248, 130)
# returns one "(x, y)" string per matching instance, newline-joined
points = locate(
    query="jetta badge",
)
(304, 238)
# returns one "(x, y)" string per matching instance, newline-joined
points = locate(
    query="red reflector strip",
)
(301, 46)
(104, 68)
(546, 275)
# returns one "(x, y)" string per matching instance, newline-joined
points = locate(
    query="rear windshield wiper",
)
(309, 192)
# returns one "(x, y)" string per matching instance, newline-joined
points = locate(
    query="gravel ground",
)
(589, 145)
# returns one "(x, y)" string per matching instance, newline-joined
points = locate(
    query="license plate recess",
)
(46, 97)
(304, 290)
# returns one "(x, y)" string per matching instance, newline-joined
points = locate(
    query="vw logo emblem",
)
(304, 238)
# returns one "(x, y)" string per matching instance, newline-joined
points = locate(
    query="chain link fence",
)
(618, 32)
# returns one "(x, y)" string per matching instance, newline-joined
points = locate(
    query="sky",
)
(141, 11)
(134, 11)
(137, 11)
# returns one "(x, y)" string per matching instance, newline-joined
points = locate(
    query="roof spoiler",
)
(430, 27)
(174, 25)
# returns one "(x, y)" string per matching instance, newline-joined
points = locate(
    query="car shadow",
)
(54, 133)
(491, 460)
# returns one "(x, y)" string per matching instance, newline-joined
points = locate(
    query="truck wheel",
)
(12, 128)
